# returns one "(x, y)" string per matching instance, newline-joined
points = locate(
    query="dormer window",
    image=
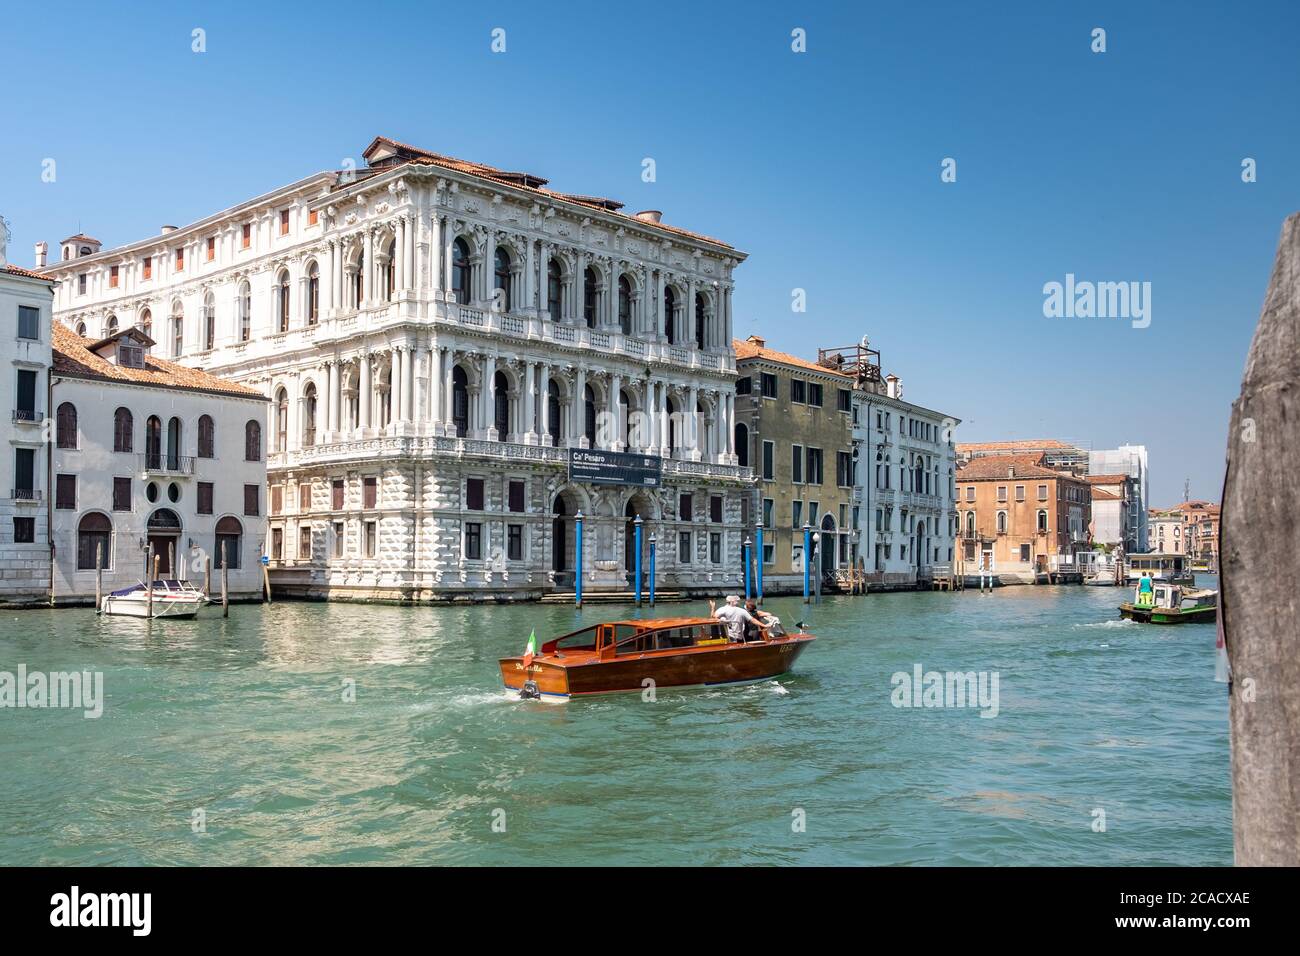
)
(130, 356)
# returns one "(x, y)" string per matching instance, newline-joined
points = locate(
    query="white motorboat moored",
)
(171, 598)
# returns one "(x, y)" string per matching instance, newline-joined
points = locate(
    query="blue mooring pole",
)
(577, 547)
(748, 545)
(758, 565)
(637, 562)
(807, 558)
(652, 569)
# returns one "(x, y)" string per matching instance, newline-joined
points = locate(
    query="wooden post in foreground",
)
(225, 593)
(1259, 605)
(207, 576)
(151, 572)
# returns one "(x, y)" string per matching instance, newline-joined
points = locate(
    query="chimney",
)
(893, 386)
(167, 229)
(757, 340)
(42, 250)
(650, 215)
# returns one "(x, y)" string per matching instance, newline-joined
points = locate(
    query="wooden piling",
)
(225, 592)
(1259, 606)
(207, 575)
(99, 577)
(151, 568)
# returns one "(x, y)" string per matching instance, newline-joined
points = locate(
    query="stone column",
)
(368, 274)
(326, 404)
(408, 384)
(578, 410)
(336, 396)
(487, 393)
(543, 403)
(616, 442)
(449, 393)
(394, 385)
(363, 392)
(691, 424)
(530, 401)
(399, 254)
(327, 290)
(435, 389)
(544, 279)
(435, 256)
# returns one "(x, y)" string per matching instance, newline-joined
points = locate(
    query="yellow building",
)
(794, 427)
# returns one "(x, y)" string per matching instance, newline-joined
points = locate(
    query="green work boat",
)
(1156, 603)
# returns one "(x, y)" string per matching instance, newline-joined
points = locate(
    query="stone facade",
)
(426, 322)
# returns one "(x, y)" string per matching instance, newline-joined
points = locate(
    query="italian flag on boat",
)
(531, 649)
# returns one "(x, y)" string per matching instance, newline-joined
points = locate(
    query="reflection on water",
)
(249, 719)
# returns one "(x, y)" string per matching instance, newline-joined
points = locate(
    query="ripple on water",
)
(246, 719)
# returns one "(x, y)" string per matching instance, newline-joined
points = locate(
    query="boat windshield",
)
(672, 638)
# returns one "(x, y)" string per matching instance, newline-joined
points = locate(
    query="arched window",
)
(123, 430)
(178, 329)
(670, 306)
(1002, 522)
(501, 274)
(460, 401)
(94, 542)
(252, 441)
(110, 327)
(501, 405)
(589, 280)
(589, 415)
(1042, 523)
(460, 270)
(146, 322)
(245, 312)
(209, 322)
(81, 329)
(207, 437)
(358, 281)
(742, 444)
(282, 301)
(66, 426)
(970, 523)
(153, 442)
(229, 543)
(309, 415)
(554, 290)
(173, 444)
(553, 412)
(699, 321)
(281, 421)
(313, 294)
(625, 305)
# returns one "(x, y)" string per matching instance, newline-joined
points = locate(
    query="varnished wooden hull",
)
(689, 667)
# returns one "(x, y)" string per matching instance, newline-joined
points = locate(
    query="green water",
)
(244, 719)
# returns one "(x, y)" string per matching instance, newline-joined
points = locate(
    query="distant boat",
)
(171, 598)
(1165, 568)
(1171, 604)
(633, 655)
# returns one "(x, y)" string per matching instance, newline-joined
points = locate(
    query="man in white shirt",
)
(735, 617)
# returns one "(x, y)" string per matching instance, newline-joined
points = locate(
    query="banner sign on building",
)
(615, 467)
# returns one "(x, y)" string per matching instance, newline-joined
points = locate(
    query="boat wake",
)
(1121, 622)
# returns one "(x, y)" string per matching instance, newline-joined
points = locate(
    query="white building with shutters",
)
(434, 337)
(26, 299)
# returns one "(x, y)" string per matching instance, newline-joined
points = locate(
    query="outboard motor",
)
(530, 691)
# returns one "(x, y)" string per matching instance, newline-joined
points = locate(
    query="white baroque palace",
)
(434, 336)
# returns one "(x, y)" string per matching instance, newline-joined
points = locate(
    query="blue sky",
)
(823, 166)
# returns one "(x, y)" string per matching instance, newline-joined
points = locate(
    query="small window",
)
(65, 492)
(204, 498)
(516, 496)
(473, 541)
(796, 514)
(246, 238)
(1020, 492)
(304, 544)
(1042, 492)
(1002, 492)
(815, 394)
(970, 493)
(796, 464)
(252, 500)
(24, 530)
(112, 277)
(304, 497)
(798, 391)
(212, 248)
(148, 267)
(66, 426)
(336, 494)
(311, 217)
(715, 548)
(474, 494)
(686, 506)
(371, 532)
(844, 400)
(339, 537)
(768, 508)
(1024, 553)
(684, 547)
(180, 259)
(284, 222)
(715, 509)
(369, 491)
(81, 284)
(29, 322)
(767, 382)
(121, 494)
(745, 386)
(277, 499)
(515, 542)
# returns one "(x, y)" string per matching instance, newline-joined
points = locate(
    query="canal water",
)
(232, 742)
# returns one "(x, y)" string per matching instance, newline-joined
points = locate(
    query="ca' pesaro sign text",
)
(615, 468)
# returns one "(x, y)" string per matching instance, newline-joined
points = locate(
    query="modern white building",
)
(904, 485)
(436, 337)
(26, 300)
(147, 453)
(1130, 460)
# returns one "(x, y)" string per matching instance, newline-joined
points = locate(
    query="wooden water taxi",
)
(1171, 604)
(671, 652)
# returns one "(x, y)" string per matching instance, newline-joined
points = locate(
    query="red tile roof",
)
(74, 359)
(1011, 446)
(992, 467)
(25, 273)
(1107, 479)
(748, 350)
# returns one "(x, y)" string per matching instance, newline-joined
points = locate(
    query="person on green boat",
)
(1144, 590)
